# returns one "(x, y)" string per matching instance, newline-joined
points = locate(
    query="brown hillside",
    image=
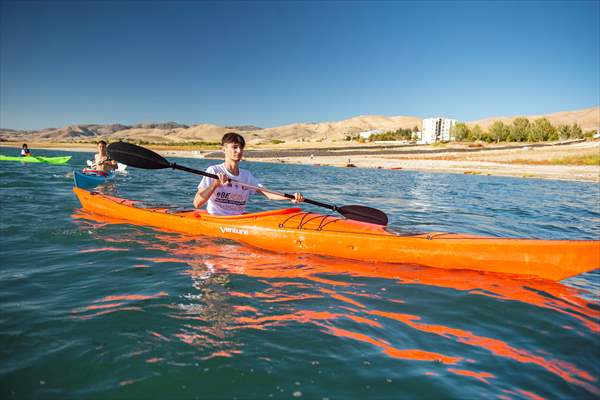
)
(332, 131)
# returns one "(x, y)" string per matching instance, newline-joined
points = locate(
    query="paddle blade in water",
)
(136, 156)
(364, 214)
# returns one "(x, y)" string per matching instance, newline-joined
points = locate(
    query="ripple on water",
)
(145, 313)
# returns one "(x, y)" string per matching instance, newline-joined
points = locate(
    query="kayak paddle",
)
(141, 157)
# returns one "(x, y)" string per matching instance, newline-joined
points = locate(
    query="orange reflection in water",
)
(207, 257)
(541, 293)
(565, 370)
(521, 393)
(477, 375)
(101, 249)
(254, 262)
(114, 303)
(406, 354)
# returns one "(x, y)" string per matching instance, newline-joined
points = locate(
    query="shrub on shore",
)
(520, 130)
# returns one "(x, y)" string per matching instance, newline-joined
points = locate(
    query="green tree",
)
(477, 133)
(487, 137)
(576, 132)
(553, 135)
(519, 130)
(564, 131)
(460, 131)
(498, 131)
(541, 130)
(415, 128)
(399, 134)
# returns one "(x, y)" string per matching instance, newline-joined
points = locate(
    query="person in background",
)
(25, 152)
(224, 197)
(101, 160)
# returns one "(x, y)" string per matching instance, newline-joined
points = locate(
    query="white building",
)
(436, 130)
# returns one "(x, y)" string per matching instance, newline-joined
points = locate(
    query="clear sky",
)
(274, 63)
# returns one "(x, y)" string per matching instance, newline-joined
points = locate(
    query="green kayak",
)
(39, 159)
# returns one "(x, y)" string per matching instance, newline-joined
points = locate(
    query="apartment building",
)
(436, 130)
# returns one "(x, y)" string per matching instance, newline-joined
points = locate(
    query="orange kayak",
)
(295, 231)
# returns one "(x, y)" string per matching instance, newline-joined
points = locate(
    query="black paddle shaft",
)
(289, 196)
(354, 212)
(140, 157)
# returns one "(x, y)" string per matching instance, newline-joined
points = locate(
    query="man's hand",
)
(298, 198)
(223, 179)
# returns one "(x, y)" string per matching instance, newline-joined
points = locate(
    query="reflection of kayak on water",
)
(61, 160)
(88, 178)
(206, 255)
(294, 231)
(121, 168)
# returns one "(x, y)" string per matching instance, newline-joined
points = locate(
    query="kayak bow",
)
(91, 178)
(294, 231)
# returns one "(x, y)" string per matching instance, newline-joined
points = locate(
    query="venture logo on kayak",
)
(227, 229)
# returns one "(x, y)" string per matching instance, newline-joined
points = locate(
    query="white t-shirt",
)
(228, 199)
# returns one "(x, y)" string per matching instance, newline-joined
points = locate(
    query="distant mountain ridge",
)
(173, 133)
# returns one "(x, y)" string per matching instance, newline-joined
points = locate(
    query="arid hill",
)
(171, 132)
(332, 131)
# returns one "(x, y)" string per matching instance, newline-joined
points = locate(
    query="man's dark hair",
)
(24, 145)
(101, 142)
(233, 137)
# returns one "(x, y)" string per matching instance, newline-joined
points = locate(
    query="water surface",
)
(90, 308)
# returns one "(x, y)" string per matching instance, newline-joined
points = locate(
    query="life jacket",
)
(88, 171)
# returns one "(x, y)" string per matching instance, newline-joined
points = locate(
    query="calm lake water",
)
(94, 309)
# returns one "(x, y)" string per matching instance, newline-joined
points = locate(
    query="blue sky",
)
(274, 63)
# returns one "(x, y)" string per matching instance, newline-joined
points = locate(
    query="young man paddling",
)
(101, 160)
(225, 197)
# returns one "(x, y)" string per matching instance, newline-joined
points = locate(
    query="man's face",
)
(101, 148)
(233, 151)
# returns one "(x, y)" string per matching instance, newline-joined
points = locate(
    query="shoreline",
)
(577, 173)
(492, 162)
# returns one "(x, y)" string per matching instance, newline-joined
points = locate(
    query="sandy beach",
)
(523, 161)
(519, 162)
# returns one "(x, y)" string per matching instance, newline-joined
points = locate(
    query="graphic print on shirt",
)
(224, 197)
(229, 199)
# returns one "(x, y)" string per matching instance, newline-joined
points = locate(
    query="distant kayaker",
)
(25, 152)
(101, 160)
(225, 197)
